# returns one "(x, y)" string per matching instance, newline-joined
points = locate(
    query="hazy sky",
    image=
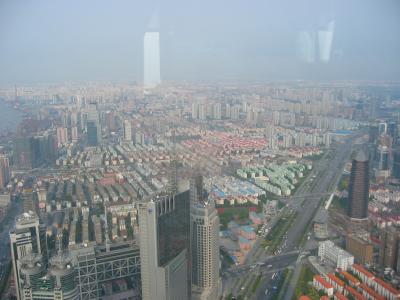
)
(75, 40)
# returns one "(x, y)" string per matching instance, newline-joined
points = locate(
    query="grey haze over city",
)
(56, 41)
(199, 150)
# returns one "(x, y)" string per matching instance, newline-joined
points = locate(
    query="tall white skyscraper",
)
(325, 38)
(151, 56)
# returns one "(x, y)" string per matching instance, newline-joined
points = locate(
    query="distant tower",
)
(196, 187)
(204, 243)
(4, 171)
(382, 127)
(127, 131)
(383, 156)
(396, 163)
(93, 125)
(359, 187)
(151, 56)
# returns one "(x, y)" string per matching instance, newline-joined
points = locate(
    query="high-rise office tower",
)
(396, 163)
(57, 282)
(92, 133)
(127, 131)
(164, 243)
(93, 125)
(196, 188)
(23, 152)
(382, 128)
(204, 243)
(359, 187)
(27, 237)
(47, 147)
(373, 133)
(383, 158)
(4, 171)
(28, 205)
(151, 49)
(392, 131)
(325, 39)
(31, 270)
(32, 151)
(389, 247)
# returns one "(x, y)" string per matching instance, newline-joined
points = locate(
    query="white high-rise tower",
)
(151, 56)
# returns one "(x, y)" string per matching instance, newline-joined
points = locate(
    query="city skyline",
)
(207, 150)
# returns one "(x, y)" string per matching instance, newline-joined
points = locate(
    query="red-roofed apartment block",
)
(352, 280)
(363, 273)
(337, 283)
(321, 284)
(370, 293)
(385, 289)
(354, 293)
(339, 296)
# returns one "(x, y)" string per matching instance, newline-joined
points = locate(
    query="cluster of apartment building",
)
(276, 179)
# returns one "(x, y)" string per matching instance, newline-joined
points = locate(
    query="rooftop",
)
(361, 269)
(322, 281)
(361, 156)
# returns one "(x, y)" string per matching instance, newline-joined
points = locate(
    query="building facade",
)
(204, 229)
(26, 238)
(164, 247)
(328, 251)
(359, 187)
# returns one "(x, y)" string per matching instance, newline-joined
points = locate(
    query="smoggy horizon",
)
(45, 41)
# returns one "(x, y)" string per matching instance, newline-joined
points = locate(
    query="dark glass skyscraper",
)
(396, 163)
(92, 133)
(33, 151)
(196, 187)
(359, 187)
(164, 247)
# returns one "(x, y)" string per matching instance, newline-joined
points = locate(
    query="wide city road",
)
(326, 175)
